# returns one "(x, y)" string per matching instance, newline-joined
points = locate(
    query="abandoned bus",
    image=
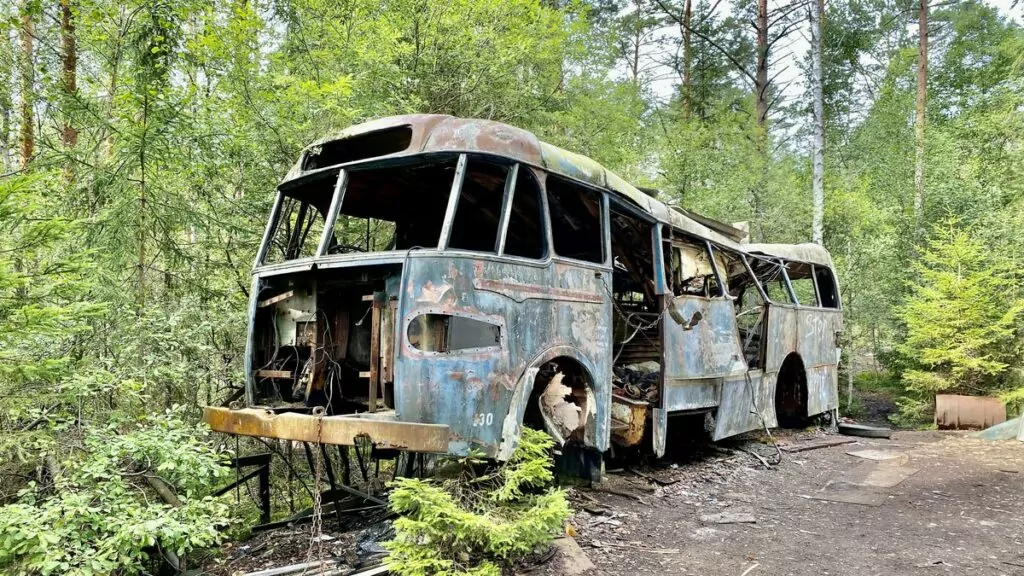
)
(432, 284)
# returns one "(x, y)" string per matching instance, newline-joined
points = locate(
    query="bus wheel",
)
(791, 394)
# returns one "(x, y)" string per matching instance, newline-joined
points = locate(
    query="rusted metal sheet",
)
(629, 419)
(551, 309)
(953, 411)
(736, 414)
(700, 339)
(691, 394)
(810, 333)
(659, 431)
(822, 388)
(382, 431)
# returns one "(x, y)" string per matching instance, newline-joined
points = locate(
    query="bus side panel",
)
(735, 412)
(811, 333)
(701, 340)
(535, 307)
(818, 329)
(822, 389)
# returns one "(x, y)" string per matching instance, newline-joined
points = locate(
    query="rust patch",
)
(522, 292)
(343, 430)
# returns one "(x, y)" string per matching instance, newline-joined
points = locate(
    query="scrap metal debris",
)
(638, 381)
(565, 410)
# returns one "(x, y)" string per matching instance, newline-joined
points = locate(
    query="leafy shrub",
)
(100, 516)
(878, 382)
(473, 524)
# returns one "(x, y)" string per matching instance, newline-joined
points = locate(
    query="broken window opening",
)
(771, 276)
(478, 213)
(801, 278)
(396, 207)
(297, 231)
(525, 235)
(828, 293)
(750, 308)
(360, 147)
(446, 333)
(575, 220)
(690, 270)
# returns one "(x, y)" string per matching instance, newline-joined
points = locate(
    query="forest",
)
(141, 142)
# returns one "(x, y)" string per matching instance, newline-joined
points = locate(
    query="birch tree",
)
(815, 15)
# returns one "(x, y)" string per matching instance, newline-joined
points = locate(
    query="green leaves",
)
(101, 516)
(473, 525)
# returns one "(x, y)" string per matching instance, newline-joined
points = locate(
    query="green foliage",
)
(961, 318)
(101, 517)
(474, 525)
(878, 382)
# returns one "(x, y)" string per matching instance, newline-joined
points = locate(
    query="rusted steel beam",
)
(341, 430)
(378, 302)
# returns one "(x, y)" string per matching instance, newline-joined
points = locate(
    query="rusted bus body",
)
(433, 283)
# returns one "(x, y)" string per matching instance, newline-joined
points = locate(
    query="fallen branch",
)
(758, 456)
(163, 490)
(815, 445)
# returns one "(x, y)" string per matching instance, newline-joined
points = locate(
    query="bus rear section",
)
(741, 337)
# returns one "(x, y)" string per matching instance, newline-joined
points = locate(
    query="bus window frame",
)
(604, 218)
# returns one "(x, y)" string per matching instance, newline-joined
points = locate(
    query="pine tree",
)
(960, 316)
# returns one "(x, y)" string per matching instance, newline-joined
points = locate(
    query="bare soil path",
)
(942, 504)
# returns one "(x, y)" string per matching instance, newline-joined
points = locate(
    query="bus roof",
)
(807, 252)
(415, 134)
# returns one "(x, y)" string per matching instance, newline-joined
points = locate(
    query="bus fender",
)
(512, 426)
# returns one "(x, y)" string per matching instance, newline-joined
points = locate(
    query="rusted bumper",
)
(383, 431)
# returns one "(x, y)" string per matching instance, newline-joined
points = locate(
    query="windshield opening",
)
(390, 208)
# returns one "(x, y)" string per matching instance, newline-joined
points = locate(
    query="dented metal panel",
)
(693, 394)
(700, 339)
(736, 412)
(538, 308)
(811, 334)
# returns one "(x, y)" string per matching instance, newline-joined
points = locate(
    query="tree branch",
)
(739, 66)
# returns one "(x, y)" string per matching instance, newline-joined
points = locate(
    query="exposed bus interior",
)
(323, 337)
(313, 342)
(636, 328)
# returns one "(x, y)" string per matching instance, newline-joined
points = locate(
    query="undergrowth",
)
(463, 522)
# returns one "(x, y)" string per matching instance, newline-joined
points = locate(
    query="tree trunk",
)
(761, 73)
(28, 130)
(634, 63)
(687, 59)
(761, 110)
(69, 80)
(816, 14)
(69, 68)
(919, 119)
(141, 294)
(6, 101)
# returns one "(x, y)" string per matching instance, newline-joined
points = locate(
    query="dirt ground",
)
(942, 503)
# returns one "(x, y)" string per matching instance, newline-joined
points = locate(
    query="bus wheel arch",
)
(562, 402)
(791, 393)
(559, 369)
